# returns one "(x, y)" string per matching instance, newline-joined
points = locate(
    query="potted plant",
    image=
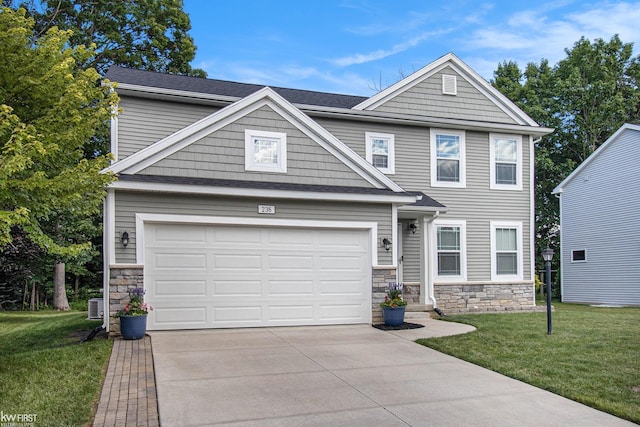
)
(133, 316)
(394, 305)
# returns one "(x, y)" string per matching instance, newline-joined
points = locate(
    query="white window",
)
(506, 251)
(265, 151)
(380, 151)
(579, 255)
(448, 164)
(450, 250)
(506, 162)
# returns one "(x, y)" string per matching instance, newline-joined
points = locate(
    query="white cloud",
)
(361, 58)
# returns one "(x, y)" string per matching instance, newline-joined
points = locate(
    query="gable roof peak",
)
(466, 72)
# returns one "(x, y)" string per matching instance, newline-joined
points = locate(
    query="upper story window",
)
(380, 151)
(450, 250)
(506, 251)
(265, 151)
(506, 162)
(448, 163)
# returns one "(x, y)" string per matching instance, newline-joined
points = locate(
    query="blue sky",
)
(358, 46)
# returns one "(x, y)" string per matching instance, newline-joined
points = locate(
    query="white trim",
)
(250, 136)
(492, 160)
(394, 237)
(462, 225)
(108, 249)
(114, 137)
(462, 183)
(391, 158)
(493, 225)
(532, 213)
(627, 126)
(473, 78)
(253, 192)
(142, 218)
(266, 96)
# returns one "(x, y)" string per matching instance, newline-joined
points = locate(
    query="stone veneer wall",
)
(380, 279)
(485, 297)
(122, 279)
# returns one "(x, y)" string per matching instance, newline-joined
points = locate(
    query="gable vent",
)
(449, 85)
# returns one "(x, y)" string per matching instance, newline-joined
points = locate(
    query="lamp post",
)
(547, 256)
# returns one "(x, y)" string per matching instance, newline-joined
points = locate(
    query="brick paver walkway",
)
(129, 391)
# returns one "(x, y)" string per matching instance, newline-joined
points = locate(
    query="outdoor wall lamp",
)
(386, 243)
(547, 256)
(413, 228)
(124, 238)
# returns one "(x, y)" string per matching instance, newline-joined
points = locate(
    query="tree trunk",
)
(34, 296)
(77, 285)
(60, 301)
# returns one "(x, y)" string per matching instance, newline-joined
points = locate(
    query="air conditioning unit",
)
(96, 308)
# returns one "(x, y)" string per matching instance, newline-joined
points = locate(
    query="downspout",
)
(427, 229)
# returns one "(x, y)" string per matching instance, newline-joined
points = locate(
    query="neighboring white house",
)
(600, 224)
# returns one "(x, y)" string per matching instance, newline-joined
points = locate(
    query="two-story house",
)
(244, 205)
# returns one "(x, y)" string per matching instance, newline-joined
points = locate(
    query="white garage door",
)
(220, 276)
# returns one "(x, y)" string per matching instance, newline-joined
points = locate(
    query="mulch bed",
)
(405, 325)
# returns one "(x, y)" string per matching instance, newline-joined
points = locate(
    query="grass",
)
(44, 371)
(592, 355)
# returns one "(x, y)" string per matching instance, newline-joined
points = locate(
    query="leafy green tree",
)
(142, 34)
(585, 97)
(49, 109)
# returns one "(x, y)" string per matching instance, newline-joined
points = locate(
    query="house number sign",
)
(267, 209)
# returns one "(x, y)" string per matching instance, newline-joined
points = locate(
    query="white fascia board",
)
(399, 198)
(131, 89)
(422, 209)
(473, 78)
(627, 126)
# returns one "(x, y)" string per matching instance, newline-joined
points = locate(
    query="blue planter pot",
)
(133, 327)
(393, 316)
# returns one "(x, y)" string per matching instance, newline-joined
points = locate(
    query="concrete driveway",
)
(342, 376)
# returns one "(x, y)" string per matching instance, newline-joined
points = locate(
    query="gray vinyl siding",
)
(477, 204)
(411, 255)
(600, 210)
(145, 121)
(222, 155)
(426, 99)
(129, 203)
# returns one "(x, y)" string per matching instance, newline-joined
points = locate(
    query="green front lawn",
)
(45, 372)
(592, 356)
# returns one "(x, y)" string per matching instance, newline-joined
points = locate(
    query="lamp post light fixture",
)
(547, 256)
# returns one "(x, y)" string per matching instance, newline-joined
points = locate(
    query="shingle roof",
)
(227, 88)
(262, 185)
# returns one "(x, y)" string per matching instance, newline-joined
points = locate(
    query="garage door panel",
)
(188, 234)
(290, 262)
(237, 288)
(179, 317)
(343, 287)
(290, 287)
(237, 236)
(237, 262)
(291, 313)
(238, 314)
(342, 263)
(177, 288)
(179, 261)
(257, 276)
